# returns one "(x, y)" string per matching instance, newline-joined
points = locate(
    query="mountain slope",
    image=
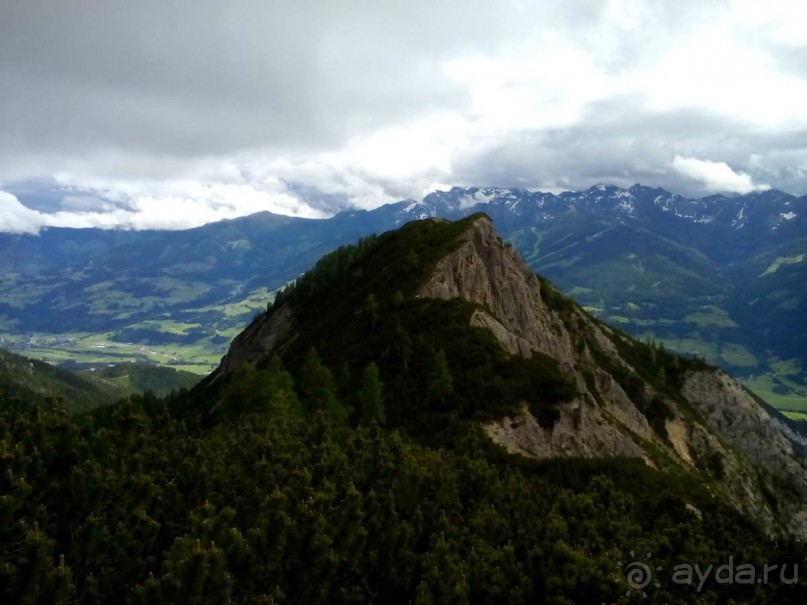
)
(544, 378)
(33, 382)
(139, 378)
(275, 507)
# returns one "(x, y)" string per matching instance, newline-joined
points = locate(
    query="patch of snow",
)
(788, 216)
(739, 222)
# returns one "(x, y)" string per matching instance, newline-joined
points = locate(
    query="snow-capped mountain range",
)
(774, 207)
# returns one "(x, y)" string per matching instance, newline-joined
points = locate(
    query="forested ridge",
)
(133, 505)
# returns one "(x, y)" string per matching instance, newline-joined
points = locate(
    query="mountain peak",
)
(487, 272)
(451, 299)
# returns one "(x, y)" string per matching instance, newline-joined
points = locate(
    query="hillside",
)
(721, 277)
(81, 389)
(419, 419)
(32, 382)
(139, 378)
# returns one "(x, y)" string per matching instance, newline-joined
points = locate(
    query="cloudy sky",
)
(169, 114)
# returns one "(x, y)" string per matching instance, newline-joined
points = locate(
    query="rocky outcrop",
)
(741, 421)
(747, 426)
(580, 432)
(603, 420)
(490, 273)
(264, 338)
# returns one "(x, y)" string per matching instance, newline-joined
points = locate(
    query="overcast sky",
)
(169, 114)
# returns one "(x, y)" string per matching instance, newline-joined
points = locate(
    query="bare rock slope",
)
(714, 426)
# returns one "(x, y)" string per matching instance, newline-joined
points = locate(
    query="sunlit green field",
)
(793, 401)
(199, 358)
(192, 339)
(713, 316)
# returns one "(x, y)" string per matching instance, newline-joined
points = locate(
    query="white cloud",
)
(206, 203)
(176, 205)
(716, 176)
(16, 218)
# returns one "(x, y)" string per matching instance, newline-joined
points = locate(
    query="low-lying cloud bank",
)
(202, 205)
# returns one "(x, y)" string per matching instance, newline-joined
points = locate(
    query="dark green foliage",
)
(659, 367)
(140, 378)
(250, 390)
(713, 464)
(440, 382)
(330, 268)
(371, 395)
(318, 389)
(780, 389)
(130, 507)
(372, 309)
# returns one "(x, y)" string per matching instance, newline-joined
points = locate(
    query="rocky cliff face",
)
(717, 428)
(258, 342)
(744, 425)
(486, 271)
(703, 424)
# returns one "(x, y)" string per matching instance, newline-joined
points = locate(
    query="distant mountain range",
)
(721, 277)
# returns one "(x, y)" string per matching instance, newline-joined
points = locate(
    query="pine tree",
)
(441, 382)
(318, 389)
(403, 343)
(412, 260)
(269, 390)
(371, 395)
(278, 386)
(372, 308)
